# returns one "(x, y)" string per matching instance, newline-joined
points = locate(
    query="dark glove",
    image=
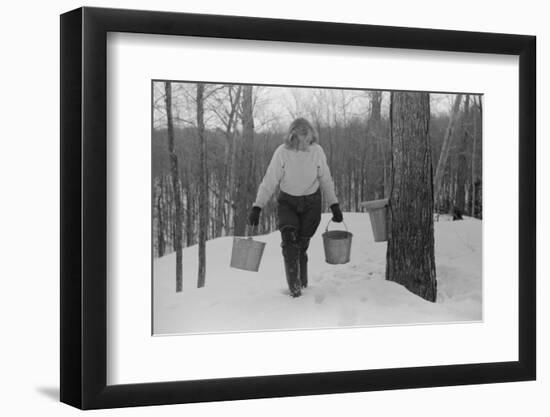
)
(254, 216)
(337, 216)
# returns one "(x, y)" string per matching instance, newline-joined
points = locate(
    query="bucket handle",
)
(329, 220)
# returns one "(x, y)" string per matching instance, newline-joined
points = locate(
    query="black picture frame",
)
(83, 231)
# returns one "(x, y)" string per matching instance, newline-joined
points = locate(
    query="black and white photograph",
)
(280, 207)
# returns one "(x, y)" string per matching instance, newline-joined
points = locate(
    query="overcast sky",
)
(276, 107)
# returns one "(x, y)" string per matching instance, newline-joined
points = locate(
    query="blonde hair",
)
(299, 126)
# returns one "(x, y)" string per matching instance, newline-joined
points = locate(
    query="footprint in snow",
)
(319, 297)
(318, 278)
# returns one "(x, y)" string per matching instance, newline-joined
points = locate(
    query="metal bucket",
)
(246, 253)
(378, 212)
(379, 224)
(337, 244)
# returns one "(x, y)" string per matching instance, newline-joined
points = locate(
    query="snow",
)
(353, 294)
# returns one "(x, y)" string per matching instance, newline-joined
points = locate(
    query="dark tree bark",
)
(474, 180)
(160, 218)
(245, 181)
(170, 229)
(479, 199)
(176, 188)
(410, 252)
(189, 214)
(203, 188)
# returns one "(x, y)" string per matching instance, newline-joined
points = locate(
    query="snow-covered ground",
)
(354, 294)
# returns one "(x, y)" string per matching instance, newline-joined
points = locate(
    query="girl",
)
(299, 167)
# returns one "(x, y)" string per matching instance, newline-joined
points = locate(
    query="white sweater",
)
(297, 173)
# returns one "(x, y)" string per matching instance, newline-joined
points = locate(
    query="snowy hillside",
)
(354, 294)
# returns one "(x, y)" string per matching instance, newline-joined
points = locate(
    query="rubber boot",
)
(291, 255)
(292, 269)
(303, 242)
(303, 269)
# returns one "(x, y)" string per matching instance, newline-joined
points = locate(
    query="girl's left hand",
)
(337, 216)
(254, 216)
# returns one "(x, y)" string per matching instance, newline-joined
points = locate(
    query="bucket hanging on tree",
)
(378, 212)
(337, 244)
(247, 253)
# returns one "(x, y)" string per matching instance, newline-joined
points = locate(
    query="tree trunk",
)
(462, 166)
(446, 146)
(176, 188)
(226, 191)
(160, 218)
(203, 188)
(221, 209)
(245, 184)
(378, 143)
(473, 173)
(189, 214)
(410, 252)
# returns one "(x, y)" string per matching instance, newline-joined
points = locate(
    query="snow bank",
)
(354, 294)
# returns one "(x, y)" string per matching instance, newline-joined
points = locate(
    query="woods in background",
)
(211, 144)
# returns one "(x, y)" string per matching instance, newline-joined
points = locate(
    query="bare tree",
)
(462, 165)
(175, 187)
(203, 187)
(245, 185)
(374, 154)
(446, 146)
(161, 244)
(225, 107)
(474, 181)
(410, 252)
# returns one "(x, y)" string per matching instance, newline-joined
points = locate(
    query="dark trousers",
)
(299, 218)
